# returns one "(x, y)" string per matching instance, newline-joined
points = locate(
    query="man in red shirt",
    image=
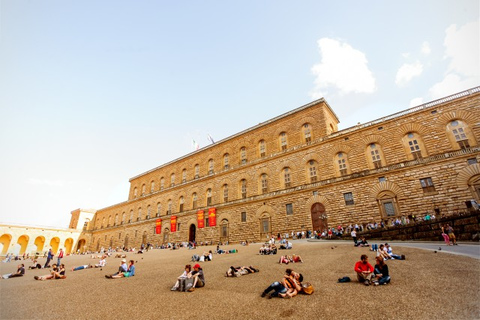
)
(364, 270)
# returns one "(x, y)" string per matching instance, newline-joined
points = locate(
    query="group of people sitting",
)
(367, 274)
(289, 287)
(385, 251)
(57, 272)
(287, 259)
(206, 256)
(124, 271)
(268, 249)
(190, 279)
(285, 245)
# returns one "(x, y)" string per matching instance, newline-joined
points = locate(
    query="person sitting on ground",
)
(388, 249)
(296, 258)
(381, 252)
(101, 263)
(289, 287)
(207, 256)
(285, 259)
(240, 271)
(55, 273)
(129, 273)
(35, 265)
(85, 266)
(20, 272)
(364, 270)
(362, 243)
(121, 269)
(198, 278)
(118, 255)
(273, 249)
(187, 273)
(381, 272)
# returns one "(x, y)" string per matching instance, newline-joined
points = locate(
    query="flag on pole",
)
(210, 138)
(195, 145)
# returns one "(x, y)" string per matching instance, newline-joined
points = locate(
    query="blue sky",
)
(93, 93)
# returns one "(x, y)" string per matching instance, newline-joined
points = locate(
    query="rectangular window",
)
(427, 185)
(348, 198)
(244, 217)
(209, 201)
(207, 222)
(181, 207)
(178, 226)
(472, 161)
(289, 208)
(382, 179)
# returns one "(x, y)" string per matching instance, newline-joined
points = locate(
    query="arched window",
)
(197, 171)
(225, 193)
(131, 216)
(124, 216)
(135, 192)
(116, 219)
(342, 163)
(169, 208)
(243, 155)
(287, 181)
(143, 189)
(210, 166)
(152, 186)
(307, 133)
(162, 183)
(243, 188)
(181, 202)
(459, 133)
(184, 175)
(226, 161)
(109, 221)
(375, 155)
(283, 141)
(194, 200)
(139, 217)
(148, 212)
(262, 148)
(159, 209)
(103, 222)
(312, 171)
(209, 197)
(414, 145)
(264, 182)
(172, 180)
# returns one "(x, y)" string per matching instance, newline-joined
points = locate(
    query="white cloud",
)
(462, 47)
(407, 72)
(343, 68)
(451, 84)
(416, 102)
(406, 55)
(425, 48)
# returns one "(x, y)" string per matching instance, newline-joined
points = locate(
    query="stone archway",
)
(23, 243)
(192, 232)
(166, 235)
(319, 217)
(5, 241)
(68, 245)
(54, 244)
(81, 245)
(40, 243)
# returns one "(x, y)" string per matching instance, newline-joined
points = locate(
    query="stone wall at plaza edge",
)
(466, 228)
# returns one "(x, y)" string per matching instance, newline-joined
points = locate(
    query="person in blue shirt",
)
(129, 273)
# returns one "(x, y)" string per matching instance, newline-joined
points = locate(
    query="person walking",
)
(60, 256)
(50, 256)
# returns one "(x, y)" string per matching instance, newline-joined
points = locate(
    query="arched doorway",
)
(144, 238)
(68, 245)
(40, 243)
(265, 227)
(166, 235)
(125, 243)
(81, 245)
(191, 232)
(319, 217)
(5, 241)
(23, 242)
(55, 243)
(224, 231)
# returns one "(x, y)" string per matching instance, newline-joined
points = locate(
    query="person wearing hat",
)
(123, 268)
(198, 278)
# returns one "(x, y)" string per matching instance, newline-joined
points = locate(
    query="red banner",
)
(212, 217)
(173, 224)
(200, 219)
(158, 226)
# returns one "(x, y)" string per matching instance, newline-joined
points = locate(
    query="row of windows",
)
(426, 184)
(412, 141)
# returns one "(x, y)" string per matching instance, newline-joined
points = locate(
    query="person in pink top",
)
(364, 270)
